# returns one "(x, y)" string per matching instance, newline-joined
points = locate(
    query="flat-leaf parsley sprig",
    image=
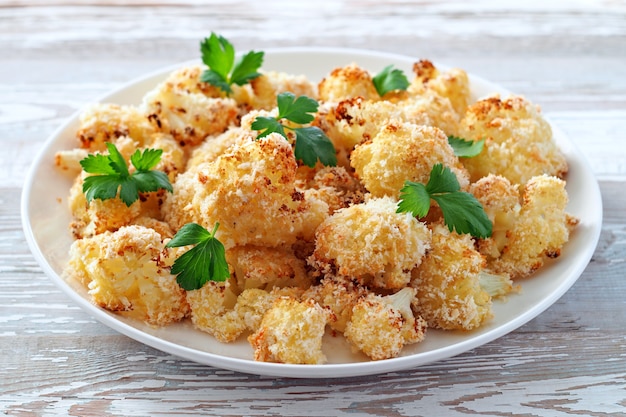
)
(219, 55)
(466, 148)
(390, 79)
(312, 144)
(206, 261)
(111, 175)
(461, 211)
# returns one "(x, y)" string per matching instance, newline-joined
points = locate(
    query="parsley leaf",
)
(312, 144)
(204, 262)
(461, 211)
(390, 79)
(111, 175)
(219, 55)
(466, 148)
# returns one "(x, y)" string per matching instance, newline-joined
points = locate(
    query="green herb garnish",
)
(111, 175)
(219, 55)
(204, 262)
(466, 148)
(312, 144)
(390, 79)
(461, 211)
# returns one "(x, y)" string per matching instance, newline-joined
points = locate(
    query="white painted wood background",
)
(569, 56)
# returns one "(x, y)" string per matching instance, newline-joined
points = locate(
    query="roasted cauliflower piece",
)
(250, 191)
(104, 122)
(527, 230)
(188, 116)
(383, 170)
(449, 294)
(269, 85)
(371, 243)
(266, 268)
(452, 84)
(122, 271)
(518, 140)
(347, 82)
(338, 294)
(380, 326)
(291, 332)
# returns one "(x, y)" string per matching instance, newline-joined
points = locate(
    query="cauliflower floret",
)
(372, 243)
(123, 273)
(449, 295)
(214, 146)
(268, 85)
(188, 116)
(518, 140)
(333, 185)
(535, 230)
(250, 191)
(452, 84)
(383, 170)
(69, 160)
(381, 326)
(188, 79)
(105, 122)
(338, 294)
(98, 216)
(265, 268)
(213, 311)
(347, 82)
(291, 332)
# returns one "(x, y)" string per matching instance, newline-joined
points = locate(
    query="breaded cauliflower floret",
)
(449, 295)
(371, 243)
(265, 268)
(291, 332)
(338, 294)
(123, 273)
(383, 169)
(346, 82)
(250, 191)
(452, 84)
(188, 116)
(518, 140)
(381, 326)
(105, 122)
(335, 186)
(214, 146)
(98, 216)
(268, 85)
(356, 120)
(534, 230)
(68, 161)
(188, 79)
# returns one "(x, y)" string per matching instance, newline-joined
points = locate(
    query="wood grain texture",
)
(568, 56)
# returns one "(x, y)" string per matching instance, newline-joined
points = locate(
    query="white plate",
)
(46, 217)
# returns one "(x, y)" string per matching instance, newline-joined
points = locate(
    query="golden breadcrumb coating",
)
(380, 326)
(269, 85)
(335, 186)
(265, 268)
(346, 82)
(123, 273)
(449, 295)
(452, 84)
(98, 216)
(291, 332)
(518, 140)
(540, 229)
(338, 294)
(105, 122)
(188, 79)
(383, 170)
(188, 116)
(372, 243)
(250, 191)
(214, 146)
(213, 311)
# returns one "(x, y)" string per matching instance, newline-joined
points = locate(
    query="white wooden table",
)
(568, 56)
